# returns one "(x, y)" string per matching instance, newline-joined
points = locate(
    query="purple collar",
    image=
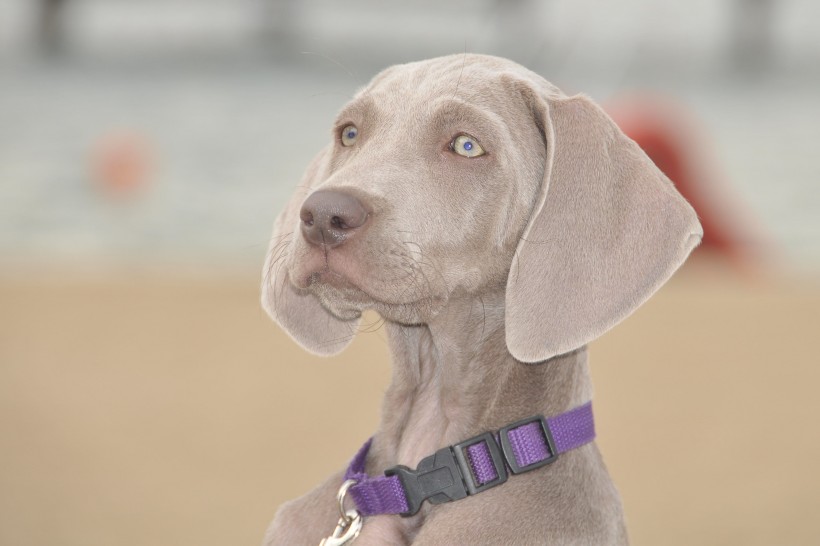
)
(469, 467)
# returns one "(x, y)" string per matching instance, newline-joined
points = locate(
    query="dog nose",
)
(331, 217)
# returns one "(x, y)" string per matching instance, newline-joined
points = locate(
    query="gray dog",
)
(498, 226)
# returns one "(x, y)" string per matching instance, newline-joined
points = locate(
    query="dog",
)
(497, 226)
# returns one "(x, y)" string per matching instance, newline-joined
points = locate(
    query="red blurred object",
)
(121, 165)
(670, 137)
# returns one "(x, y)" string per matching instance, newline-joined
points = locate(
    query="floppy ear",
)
(607, 231)
(298, 312)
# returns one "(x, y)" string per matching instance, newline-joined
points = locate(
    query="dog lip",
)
(323, 277)
(331, 278)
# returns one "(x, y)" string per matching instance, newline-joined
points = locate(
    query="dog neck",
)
(453, 378)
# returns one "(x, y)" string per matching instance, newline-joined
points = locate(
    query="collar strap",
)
(469, 467)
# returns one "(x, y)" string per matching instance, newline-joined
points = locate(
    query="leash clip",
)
(349, 525)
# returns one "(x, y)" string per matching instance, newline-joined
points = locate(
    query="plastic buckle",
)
(506, 447)
(447, 475)
(467, 470)
(437, 478)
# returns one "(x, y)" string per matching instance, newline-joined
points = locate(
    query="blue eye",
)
(349, 134)
(466, 146)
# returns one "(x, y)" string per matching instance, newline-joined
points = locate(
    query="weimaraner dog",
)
(497, 226)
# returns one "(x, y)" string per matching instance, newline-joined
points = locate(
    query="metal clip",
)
(349, 525)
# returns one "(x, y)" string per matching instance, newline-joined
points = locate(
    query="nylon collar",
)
(469, 467)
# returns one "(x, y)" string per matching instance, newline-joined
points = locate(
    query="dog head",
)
(451, 177)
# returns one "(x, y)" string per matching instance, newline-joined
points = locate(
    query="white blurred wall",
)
(229, 99)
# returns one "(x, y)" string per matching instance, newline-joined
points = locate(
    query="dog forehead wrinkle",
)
(447, 110)
(428, 99)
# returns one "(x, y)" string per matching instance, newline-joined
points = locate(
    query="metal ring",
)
(340, 496)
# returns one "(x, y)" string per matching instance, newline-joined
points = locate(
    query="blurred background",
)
(145, 148)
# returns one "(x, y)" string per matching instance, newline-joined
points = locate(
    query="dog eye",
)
(349, 134)
(466, 146)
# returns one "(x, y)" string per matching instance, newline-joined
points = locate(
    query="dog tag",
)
(346, 530)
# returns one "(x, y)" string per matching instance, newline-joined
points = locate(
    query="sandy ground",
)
(168, 410)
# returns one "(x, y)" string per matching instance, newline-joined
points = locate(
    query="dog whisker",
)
(461, 72)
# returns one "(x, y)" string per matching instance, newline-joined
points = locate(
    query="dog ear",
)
(299, 312)
(607, 231)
